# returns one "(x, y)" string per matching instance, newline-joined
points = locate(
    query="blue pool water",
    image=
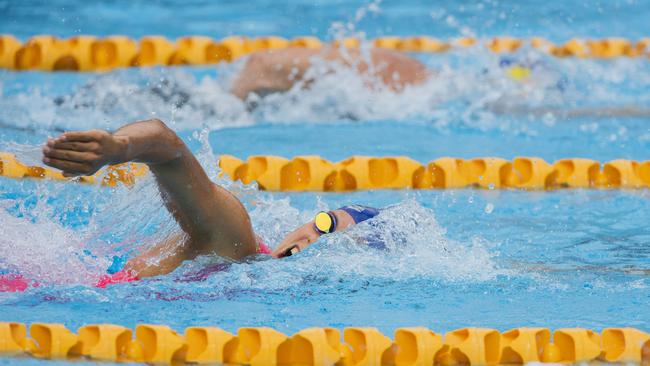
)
(458, 258)
(556, 20)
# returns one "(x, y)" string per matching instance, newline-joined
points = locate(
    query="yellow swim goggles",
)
(325, 222)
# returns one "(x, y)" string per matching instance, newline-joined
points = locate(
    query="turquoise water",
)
(554, 19)
(483, 258)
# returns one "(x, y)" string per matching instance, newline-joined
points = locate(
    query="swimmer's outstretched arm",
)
(212, 218)
(306, 235)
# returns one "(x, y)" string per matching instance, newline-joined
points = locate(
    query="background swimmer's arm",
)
(279, 70)
(306, 235)
(272, 71)
(214, 219)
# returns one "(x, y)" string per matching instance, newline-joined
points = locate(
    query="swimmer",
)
(271, 71)
(278, 70)
(212, 220)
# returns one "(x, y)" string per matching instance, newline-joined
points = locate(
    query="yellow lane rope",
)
(10, 167)
(313, 173)
(90, 53)
(159, 344)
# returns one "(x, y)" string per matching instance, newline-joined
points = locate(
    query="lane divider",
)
(90, 53)
(159, 344)
(313, 173)
(111, 176)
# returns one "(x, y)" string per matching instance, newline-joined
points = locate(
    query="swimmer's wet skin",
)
(278, 70)
(213, 221)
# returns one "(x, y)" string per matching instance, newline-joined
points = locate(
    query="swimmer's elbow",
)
(152, 141)
(157, 123)
(164, 133)
(159, 127)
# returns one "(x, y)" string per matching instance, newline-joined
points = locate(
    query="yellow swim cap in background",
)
(518, 73)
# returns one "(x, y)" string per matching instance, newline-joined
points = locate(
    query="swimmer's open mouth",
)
(295, 249)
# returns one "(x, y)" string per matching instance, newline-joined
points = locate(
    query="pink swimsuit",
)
(262, 248)
(13, 283)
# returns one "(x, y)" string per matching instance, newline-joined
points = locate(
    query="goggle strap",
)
(334, 223)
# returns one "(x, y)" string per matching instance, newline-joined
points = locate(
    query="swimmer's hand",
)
(296, 241)
(84, 152)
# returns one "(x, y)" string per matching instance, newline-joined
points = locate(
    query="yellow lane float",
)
(313, 173)
(159, 344)
(89, 53)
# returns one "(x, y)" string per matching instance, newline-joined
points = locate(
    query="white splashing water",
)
(417, 249)
(41, 250)
(36, 245)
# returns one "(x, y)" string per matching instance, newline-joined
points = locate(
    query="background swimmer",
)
(279, 70)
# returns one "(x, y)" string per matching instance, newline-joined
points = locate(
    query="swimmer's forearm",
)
(83, 153)
(149, 142)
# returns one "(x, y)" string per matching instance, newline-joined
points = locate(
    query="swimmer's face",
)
(296, 241)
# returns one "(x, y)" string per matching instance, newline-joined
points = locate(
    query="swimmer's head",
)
(515, 70)
(518, 73)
